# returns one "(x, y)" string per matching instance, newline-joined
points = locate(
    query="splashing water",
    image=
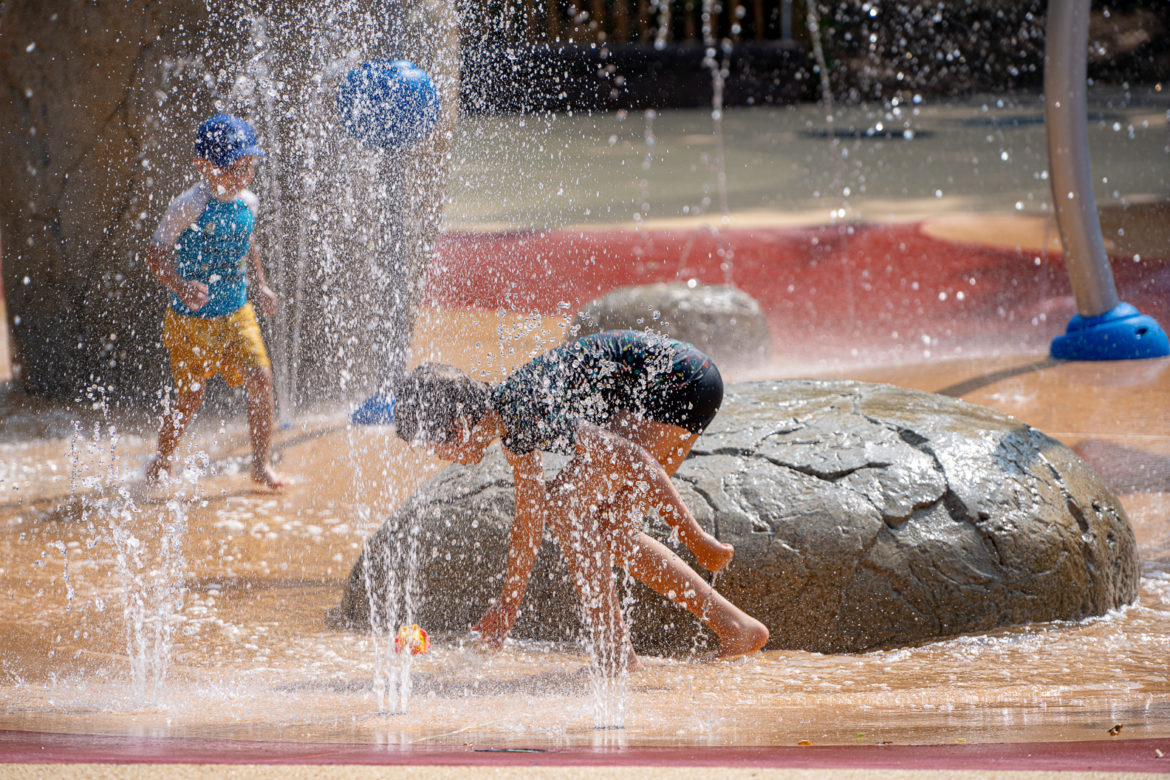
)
(148, 562)
(361, 224)
(355, 226)
(390, 606)
(1032, 670)
(715, 58)
(814, 29)
(813, 23)
(152, 591)
(607, 627)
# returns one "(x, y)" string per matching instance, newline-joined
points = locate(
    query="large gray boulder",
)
(863, 516)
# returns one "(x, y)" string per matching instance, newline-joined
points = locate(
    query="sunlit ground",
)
(253, 655)
(201, 607)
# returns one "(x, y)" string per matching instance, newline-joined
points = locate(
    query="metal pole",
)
(1104, 328)
(1065, 115)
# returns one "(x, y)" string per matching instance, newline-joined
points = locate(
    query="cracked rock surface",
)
(862, 515)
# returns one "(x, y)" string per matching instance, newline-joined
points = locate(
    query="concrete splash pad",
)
(257, 672)
(254, 658)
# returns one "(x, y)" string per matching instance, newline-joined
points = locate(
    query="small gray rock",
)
(863, 516)
(724, 322)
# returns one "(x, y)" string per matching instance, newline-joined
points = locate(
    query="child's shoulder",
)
(192, 199)
(181, 213)
(250, 200)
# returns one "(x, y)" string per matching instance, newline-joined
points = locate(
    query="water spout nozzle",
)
(1122, 333)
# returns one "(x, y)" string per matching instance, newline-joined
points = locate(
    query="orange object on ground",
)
(412, 639)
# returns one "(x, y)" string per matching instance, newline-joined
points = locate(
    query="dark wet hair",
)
(432, 397)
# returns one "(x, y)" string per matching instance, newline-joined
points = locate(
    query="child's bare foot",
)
(746, 638)
(156, 467)
(266, 476)
(711, 553)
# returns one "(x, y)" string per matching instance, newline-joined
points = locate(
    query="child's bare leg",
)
(175, 421)
(261, 412)
(654, 564)
(666, 446)
(574, 523)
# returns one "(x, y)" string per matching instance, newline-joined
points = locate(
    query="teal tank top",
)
(214, 250)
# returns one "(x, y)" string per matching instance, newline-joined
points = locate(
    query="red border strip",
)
(870, 271)
(1115, 755)
(823, 289)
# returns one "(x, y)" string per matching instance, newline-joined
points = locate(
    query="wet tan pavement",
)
(254, 655)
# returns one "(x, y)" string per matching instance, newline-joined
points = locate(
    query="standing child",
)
(202, 252)
(626, 406)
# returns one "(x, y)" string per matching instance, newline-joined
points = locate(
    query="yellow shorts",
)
(202, 347)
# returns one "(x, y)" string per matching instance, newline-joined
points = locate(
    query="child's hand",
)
(193, 295)
(495, 625)
(267, 300)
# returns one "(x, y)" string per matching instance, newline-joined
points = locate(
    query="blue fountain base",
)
(375, 410)
(1122, 333)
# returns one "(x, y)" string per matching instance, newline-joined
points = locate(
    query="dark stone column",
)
(82, 178)
(98, 105)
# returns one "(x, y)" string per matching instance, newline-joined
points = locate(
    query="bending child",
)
(627, 407)
(202, 252)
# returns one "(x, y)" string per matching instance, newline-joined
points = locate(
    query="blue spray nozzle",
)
(375, 410)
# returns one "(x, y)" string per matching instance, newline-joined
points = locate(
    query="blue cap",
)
(224, 138)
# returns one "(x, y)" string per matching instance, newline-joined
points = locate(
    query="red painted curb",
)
(826, 287)
(1121, 755)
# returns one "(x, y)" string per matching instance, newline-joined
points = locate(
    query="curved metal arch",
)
(1104, 327)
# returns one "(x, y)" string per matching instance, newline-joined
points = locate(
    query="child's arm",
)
(192, 294)
(523, 544)
(265, 295)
